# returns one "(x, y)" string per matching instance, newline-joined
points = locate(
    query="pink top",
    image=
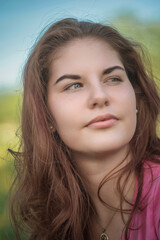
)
(149, 219)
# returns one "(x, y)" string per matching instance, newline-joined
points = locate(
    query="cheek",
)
(131, 111)
(62, 114)
(128, 97)
(127, 104)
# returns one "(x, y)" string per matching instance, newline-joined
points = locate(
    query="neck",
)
(93, 169)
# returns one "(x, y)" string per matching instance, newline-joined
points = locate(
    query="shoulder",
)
(146, 221)
(151, 172)
(151, 192)
(151, 180)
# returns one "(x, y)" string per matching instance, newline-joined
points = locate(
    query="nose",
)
(98, 96)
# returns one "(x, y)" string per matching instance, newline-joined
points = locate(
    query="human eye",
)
(73, 86)
(113, 80)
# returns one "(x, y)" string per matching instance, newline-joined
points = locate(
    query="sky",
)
(21, 21)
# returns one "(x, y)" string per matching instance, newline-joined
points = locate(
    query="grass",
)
(9, 118)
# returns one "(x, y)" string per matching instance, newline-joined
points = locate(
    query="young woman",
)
(88, 166)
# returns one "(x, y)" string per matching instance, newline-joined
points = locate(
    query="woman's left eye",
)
(113, 80)
(73, 86)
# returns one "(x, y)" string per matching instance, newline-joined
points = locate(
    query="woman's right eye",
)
(73, 86)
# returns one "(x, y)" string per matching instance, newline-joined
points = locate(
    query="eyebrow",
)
(73, 76)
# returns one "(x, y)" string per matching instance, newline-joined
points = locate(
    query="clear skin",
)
(75, 102)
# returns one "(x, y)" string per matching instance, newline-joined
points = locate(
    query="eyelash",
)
(69, 87)
(107, 80)
(115, 78)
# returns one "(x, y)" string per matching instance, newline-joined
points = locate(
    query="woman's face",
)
(88, 83)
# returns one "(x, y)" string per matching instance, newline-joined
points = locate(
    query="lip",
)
(102, 121)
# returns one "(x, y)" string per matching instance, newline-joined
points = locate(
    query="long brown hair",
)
(50, 200)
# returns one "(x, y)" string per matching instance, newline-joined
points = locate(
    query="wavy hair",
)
(49, 199)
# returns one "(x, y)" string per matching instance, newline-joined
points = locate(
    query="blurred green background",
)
(147, 33)
(9, 122)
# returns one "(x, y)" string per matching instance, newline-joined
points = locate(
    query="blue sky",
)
(22, 20)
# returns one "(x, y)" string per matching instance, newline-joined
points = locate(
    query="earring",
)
(136, 111)
(52, 129)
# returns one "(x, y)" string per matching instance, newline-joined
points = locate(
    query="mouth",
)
(103, 121)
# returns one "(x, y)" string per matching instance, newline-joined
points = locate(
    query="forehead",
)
(87, 53)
